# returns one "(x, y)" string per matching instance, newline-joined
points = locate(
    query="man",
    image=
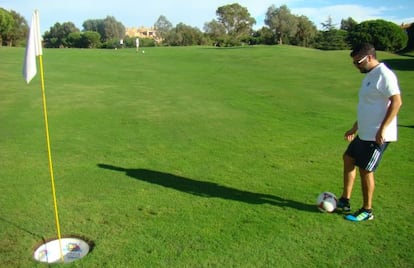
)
(137, 43)
(379, 103)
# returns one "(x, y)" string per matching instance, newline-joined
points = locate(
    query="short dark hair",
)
(364, 49)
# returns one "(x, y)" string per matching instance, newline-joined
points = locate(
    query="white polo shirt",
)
(376, 89)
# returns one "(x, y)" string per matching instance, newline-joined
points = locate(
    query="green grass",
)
(197, 157)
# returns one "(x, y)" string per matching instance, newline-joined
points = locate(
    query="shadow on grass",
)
(227, 48)
(406, 126)
(42, 240)
(406, 64)
(37, 236)
(208, 189)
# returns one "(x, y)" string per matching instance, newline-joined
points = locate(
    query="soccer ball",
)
(326, 202)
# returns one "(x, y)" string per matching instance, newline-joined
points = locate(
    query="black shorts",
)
(367, 154)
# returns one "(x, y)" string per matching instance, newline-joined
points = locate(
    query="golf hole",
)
(73, 248)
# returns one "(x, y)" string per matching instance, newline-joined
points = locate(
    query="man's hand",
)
(379, 138)
(350, 134)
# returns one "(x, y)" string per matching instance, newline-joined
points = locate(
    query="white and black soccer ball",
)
(326, 202)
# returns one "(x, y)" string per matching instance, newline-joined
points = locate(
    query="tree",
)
(348, 24)
(19, 30)
(163, 26)
(281, 22)
(108, 28)
(94, 25)
(58, 34)
(113, 29)
(306, 32)
(384, 35)
(264, 36)
(410, 34)
(129, 41)
(74, 39)
(13, 28)
(184, 35)
(216, 32)
(331, 38)
(90, 39)
(328, 25)
(236, 21)
(6, 25)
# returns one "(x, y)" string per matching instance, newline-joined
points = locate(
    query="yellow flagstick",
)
(33, 49)
(49, 153)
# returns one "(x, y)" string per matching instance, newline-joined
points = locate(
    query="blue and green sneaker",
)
(360, 215)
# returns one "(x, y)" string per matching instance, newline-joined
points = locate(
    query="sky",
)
(196, 13)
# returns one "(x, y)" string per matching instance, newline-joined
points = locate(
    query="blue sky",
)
(195, 13)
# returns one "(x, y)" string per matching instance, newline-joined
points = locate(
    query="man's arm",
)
(350, 134)
(393, 109)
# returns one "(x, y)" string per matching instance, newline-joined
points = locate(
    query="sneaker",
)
(343, 205)
(360, 215)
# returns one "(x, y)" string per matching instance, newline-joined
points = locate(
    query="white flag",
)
(33, 49)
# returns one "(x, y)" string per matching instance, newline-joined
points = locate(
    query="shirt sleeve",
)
(389, 84)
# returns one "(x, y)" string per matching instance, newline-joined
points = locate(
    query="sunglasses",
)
(358, 62)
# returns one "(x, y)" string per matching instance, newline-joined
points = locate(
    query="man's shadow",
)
(208, 189)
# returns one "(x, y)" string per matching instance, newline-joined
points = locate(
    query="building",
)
(405, 26)
(142, 32)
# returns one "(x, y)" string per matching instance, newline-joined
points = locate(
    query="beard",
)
(364, 69)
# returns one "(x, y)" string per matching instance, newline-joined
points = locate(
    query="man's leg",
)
(348, 181)
(368, 187)
(349, 176)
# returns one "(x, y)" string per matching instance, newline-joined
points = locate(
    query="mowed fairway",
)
(197, 157)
